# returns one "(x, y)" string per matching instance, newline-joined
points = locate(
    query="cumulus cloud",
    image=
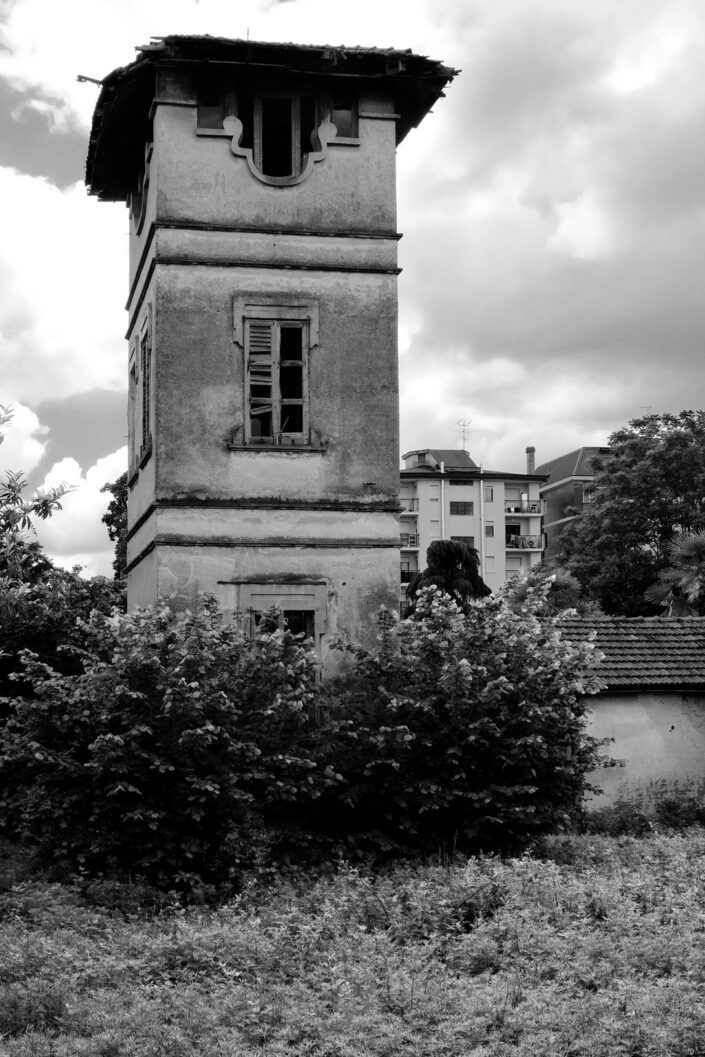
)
(63, 273)
(553, 207)
(24, 438)
(75, 534)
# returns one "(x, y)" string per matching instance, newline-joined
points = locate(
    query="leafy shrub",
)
(158, 758)
(45, 614)
(619, 819)
(680, 812)
(463, 730)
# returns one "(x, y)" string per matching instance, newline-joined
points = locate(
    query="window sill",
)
(278, 449)
(214, 132)
(145, 454)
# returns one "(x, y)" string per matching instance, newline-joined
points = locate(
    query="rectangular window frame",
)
(144, 389)
(258, 406)
(279, 313)
(462, 509)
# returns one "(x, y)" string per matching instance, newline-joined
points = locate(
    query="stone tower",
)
(263, 394)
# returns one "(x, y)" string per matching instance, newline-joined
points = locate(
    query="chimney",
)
(530, 459)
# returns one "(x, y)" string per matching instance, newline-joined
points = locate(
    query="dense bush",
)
(45, 613)
(182, 753)
(463, 730)
(158, 757)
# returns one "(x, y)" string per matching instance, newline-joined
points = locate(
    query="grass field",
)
(595, 948)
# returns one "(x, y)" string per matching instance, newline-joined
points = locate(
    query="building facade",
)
(563, 491)
(262, 333)
(445, 495)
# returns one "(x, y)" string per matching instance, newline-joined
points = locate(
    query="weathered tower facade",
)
(262, 334)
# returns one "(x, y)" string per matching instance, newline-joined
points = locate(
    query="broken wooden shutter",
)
(260, 380)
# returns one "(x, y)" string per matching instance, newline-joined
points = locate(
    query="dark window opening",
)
(463, 509)
(277, 143)
(146, 354)
(343, 116)
(308, 123)
(245, 111)
(210, 109)
(301, 622)
(298, 621)
(291, 343)
(292, 418)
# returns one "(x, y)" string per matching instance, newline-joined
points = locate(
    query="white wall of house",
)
(656, 742)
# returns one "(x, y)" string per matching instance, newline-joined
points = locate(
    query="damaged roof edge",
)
(122, 109)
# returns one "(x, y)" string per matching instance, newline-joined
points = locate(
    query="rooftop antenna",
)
(464, 424)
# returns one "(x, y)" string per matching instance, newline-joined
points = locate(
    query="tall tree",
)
(115, 517)
(650, 488)
(453, 567)
(681, 585)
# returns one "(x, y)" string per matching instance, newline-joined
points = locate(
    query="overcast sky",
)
(553, 211)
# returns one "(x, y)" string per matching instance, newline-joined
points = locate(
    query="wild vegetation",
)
(181, 751)
(590, 948)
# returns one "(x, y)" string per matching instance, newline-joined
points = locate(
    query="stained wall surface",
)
(656, 743)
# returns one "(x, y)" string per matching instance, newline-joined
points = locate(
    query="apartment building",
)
(445, 495)
(563, 490)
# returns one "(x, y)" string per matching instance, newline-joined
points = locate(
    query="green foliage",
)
(591, 951)
(16, 515)
(47, 615)
(160, 755)
(40, 606)
(452, 567)
(650, 488)
(463, 730)
(547, 590)
(681, 585)
(115, 518)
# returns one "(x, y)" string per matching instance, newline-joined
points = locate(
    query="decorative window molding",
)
(272, 131)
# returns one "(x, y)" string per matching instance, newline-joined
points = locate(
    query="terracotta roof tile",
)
(649, 653)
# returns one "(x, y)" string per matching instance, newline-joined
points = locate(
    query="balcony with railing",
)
(409, 540)
(530, 506)
(516, 542)
(409, 507)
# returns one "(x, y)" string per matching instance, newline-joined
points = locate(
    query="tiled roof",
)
(122, 123)
(645, 653)
(454, 458)
(574, 464)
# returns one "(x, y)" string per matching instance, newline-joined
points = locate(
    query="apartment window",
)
(489, 493)
(469, 541)
(489, 531)
(461, 509)
(460, 484)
